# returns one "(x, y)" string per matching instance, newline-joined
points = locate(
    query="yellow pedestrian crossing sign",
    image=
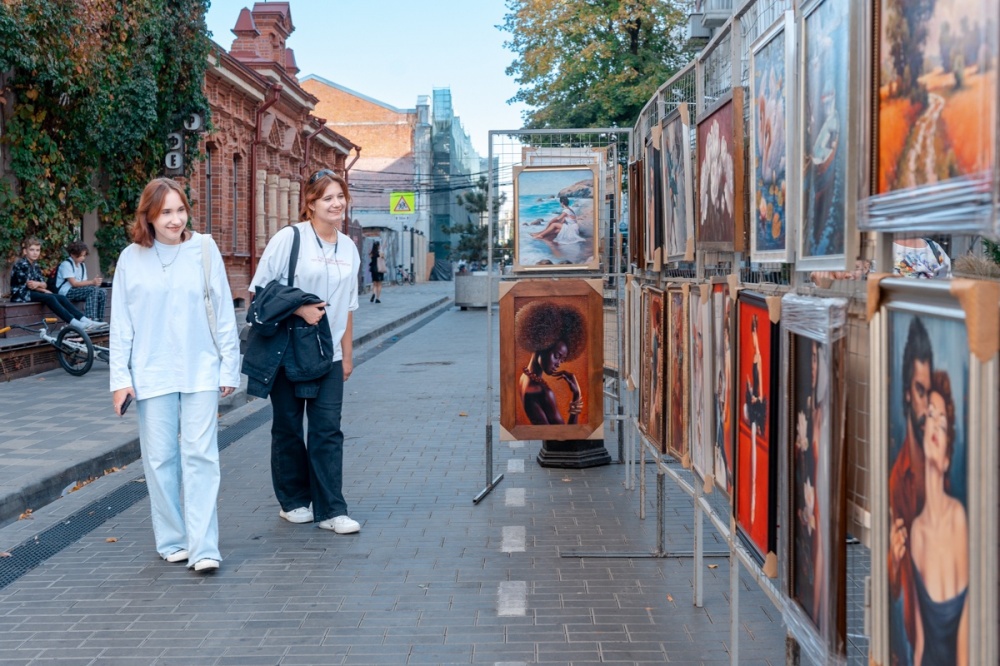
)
(401, 203)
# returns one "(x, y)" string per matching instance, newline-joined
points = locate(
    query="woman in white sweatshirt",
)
(165, 355)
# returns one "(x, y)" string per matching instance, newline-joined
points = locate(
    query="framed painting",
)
(633, 331)
(653, 189)
(561, 156)
(651, 379)
(933, 117)
(551, 360)
(814, 555)
(555, 220)
(700, 345)
(678, 418)
(678, 209)
(636, 214)
(757, 418)
(723, 392)
(934, 496)
(772, 69)
(720, 175)
(828, 136)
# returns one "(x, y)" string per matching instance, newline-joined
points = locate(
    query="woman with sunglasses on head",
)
(167, 355)
(308, 479)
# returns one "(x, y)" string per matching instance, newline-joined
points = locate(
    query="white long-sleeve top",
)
(161, 340)
(328, 270)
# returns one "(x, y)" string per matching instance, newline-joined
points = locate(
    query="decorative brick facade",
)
(264, 142)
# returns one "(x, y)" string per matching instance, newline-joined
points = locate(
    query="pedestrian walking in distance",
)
(308, 480)
(174, 349)
(377, 267)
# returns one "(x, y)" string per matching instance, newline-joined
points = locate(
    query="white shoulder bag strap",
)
(206, 266)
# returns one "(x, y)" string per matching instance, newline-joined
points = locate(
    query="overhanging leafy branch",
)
(90, 91)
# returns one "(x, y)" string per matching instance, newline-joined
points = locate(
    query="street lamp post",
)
(412, 276)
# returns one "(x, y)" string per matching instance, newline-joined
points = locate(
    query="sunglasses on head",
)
(319, 174)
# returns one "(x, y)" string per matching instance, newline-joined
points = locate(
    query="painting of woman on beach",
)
(554, 223)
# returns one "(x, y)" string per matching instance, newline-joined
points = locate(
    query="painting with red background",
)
(755, 423)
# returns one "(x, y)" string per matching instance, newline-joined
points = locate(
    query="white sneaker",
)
(300, 515)
(176, 556)
(341, 525)
(206, 565)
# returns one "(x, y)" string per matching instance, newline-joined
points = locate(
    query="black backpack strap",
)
(293, 258)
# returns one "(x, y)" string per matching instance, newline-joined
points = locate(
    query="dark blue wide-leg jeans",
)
(313, 473)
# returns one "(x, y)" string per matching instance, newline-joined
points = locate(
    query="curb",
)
(382, 330)
(43, 492)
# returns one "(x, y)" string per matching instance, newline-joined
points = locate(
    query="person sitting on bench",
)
(72, 282)
(27, 285)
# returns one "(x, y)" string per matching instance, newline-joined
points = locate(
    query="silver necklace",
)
(326, 260)
(170, 263)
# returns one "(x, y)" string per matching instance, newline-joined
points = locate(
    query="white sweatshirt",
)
(161, 341)
(328, 270)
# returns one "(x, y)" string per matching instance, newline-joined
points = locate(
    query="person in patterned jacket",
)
(28, 286)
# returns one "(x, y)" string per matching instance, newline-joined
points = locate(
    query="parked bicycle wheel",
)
(75, 351)
(399, 276)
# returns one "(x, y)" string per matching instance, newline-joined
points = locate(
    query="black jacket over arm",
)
(279, 338)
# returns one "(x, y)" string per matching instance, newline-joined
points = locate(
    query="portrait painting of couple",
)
(927, 564)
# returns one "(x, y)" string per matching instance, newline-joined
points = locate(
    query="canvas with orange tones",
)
(937, 91)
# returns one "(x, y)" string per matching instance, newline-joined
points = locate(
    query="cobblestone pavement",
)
(431, 578)
(56, 429)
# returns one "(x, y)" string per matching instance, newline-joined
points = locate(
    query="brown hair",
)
(28, 242)
(76, 248)
(314, 188)
(150, 205)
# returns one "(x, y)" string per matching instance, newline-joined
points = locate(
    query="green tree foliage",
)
(474, 234)
(92, 89)
(592, 63)
(906, 33)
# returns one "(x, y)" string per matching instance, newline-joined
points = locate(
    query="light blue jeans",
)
(190, 460)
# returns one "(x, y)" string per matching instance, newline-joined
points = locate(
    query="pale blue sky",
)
(394, 50)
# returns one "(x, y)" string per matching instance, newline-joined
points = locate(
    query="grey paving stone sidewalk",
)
(56, 429)
(431, 578)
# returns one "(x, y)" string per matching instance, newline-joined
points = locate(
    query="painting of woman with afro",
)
(551, 360)
(553, 334)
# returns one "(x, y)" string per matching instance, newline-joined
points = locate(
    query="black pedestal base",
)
(573, 453)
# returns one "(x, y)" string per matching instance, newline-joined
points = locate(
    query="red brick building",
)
(264, 141)
(397, 158)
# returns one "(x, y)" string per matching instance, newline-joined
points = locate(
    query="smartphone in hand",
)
(128, 401)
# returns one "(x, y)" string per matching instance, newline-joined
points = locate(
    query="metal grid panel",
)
(857, 431)
(755, 18)
(510, 149)
(717, 70)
